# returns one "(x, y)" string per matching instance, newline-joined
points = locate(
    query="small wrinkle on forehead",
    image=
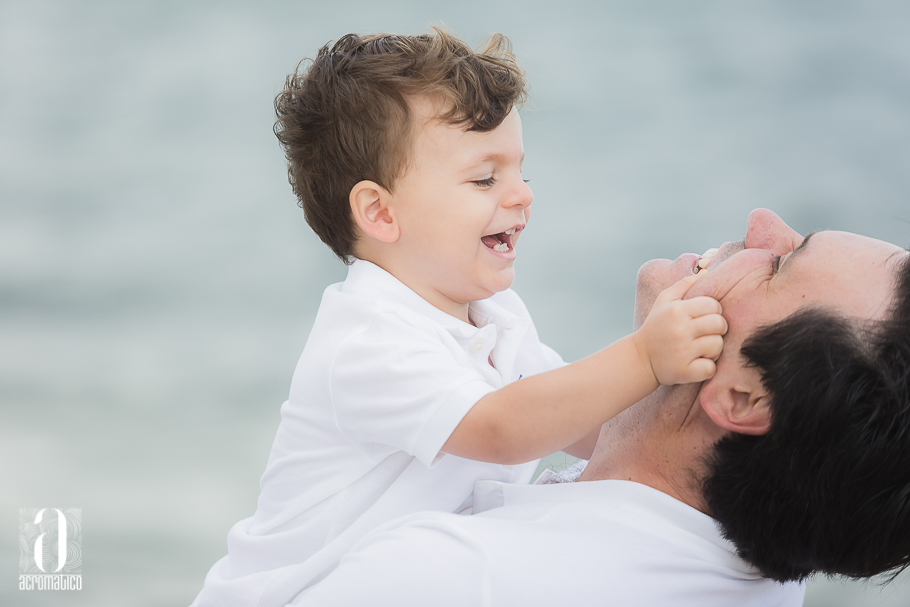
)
(869, 265)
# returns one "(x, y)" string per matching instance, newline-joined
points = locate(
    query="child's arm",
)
(584, 448)
(543, 413)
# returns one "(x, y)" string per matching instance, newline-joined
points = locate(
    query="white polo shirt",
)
(383, 381)
(592, 543)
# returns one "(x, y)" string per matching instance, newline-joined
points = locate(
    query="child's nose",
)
(520, 195)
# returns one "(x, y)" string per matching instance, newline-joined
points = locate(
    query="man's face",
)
(775, 271)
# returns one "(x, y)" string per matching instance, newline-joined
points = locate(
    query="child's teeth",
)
(512, 231)
(502, 247)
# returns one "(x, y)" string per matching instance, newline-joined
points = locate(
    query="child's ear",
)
(370, 205)
(737, 401)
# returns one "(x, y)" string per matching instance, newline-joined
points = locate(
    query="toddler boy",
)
(405, 153)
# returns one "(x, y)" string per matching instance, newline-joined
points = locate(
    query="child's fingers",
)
(678, 290)
(700, 306)
(709, 346)
(700, 369)
(709, 324)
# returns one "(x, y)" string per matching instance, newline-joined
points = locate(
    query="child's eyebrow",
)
(495, 158)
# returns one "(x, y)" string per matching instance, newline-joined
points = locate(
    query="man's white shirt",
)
(590, 543)
(383, 381)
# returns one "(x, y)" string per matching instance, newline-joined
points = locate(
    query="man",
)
(798, 449)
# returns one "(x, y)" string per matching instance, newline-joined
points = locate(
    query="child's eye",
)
(485, 183)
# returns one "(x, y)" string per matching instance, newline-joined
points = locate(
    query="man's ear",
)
(737, 401)
(373, 212)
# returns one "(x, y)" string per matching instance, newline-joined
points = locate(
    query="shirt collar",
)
(367, 279)
(636, 496)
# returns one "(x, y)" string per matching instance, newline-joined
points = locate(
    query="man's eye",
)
(779, 262)
(485, 183)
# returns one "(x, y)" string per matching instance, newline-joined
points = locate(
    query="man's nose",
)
(766, 230)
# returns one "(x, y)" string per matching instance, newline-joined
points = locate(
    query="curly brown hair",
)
(346, 117)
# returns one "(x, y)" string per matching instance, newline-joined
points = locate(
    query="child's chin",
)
(503, 281)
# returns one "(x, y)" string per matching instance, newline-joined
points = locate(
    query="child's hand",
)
(680, 339)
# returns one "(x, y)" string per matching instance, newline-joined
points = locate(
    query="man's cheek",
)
(710, 284)
(646, 292)
(742, 272)
(658, 274)
(640, 313)
(653, 277)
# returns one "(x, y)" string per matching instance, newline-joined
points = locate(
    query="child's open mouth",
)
(501, 242)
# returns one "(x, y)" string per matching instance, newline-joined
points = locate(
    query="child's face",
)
(457, 206)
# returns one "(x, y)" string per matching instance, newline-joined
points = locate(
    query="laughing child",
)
(405, 153)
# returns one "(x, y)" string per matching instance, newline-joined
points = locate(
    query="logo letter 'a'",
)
(61, 541)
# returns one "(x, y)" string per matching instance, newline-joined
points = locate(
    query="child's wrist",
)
(643, 355)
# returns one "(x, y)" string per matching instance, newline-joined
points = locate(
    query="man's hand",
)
(680, 339)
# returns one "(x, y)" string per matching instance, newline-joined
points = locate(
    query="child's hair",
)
(346, 117)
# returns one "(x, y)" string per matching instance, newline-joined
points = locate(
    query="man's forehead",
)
(846, 247)
(846, 272)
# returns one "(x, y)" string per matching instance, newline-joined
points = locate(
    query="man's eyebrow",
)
(801, 247)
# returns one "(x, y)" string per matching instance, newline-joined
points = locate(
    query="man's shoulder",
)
(421, 559)
(547, 552)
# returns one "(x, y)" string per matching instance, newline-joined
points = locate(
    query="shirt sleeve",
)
(426, 559)
(552, 357)
(510, 300)
(403, 386)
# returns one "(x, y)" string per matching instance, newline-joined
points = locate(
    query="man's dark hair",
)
(827, 489)
(347, 116)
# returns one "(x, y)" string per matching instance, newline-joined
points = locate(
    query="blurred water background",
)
(157, 281)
